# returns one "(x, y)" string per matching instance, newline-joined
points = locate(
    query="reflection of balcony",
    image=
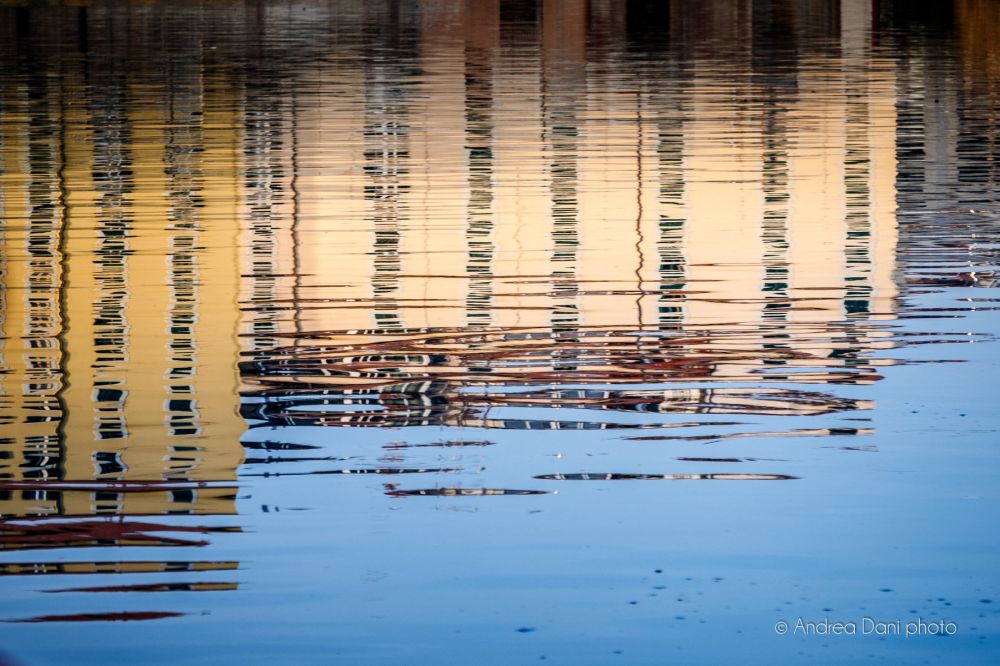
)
(119, 616)
(63, 515)
(97, 533)
(773, 401)
(814, 352)
(485, 378)
(438, 403)
(91, 515)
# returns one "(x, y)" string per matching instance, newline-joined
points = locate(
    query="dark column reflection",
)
(480, 50)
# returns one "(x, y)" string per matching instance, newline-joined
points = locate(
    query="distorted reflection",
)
(235, 235)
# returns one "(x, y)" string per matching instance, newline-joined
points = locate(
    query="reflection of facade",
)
(119, 275)
(948, 169)
(525, 192)
(625, 203)
(525, 187)
(498, 173)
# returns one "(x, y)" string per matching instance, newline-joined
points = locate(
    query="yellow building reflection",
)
(509, 198)
(504, 173)
(121, 270)
(528, 183)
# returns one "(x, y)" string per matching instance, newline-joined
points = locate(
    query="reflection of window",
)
(41, 458)
(110, 401)
(106, 501)
(184, 496)
(111, 428)
(182, 416)
(854, 306)
(109, 462)
(37, 459)
(110, 395)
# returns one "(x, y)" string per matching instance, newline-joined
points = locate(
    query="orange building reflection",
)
(533, 207)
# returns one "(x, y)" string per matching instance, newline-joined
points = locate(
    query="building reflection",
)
(523, 194)
(448, 212)
(120, 268)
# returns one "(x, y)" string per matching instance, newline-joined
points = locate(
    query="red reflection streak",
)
(124, 616)
(53, 535)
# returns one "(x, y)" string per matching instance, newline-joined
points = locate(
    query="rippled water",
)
(293, 292)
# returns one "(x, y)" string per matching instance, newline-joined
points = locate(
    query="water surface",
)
(497, 331)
